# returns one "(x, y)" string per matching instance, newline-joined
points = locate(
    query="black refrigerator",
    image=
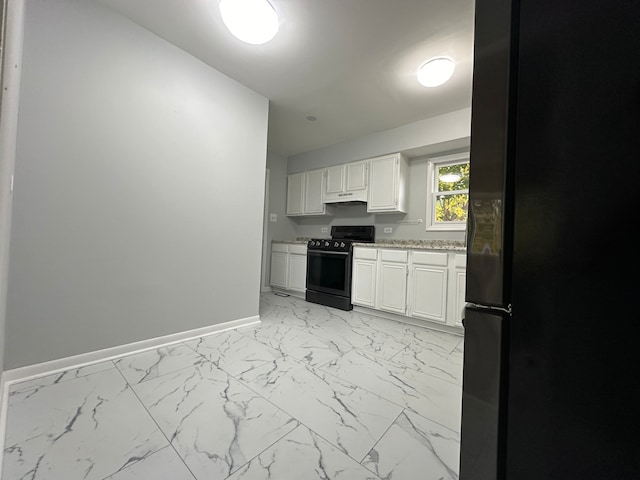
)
(551, 383)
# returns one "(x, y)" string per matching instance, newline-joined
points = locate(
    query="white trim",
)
(11, 72)
(4, 391)
(431, 225)
(9, 377)
(265, 290)
(29, 372)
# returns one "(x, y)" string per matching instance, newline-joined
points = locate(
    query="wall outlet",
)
(324, 230)
(273, 217)
(388, 230)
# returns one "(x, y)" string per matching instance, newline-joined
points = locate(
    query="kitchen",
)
(121, 236)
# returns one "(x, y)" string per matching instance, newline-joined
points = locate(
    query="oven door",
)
(329, 272)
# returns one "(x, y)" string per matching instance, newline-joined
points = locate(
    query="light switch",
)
(324, 230)
(388, 229)
(273, 217)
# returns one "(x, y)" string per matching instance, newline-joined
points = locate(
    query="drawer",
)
(365, 253)
(394, 256)
(429, 258)
(298, 249)
(460, 261)
(279, 247)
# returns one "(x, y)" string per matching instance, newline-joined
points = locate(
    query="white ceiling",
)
(350, 63)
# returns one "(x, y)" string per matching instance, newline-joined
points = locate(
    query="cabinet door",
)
(314, 184)
(297, 272)
(279, 269)
(363, 283)
(295, 194)
(335, 179)
(428, 292)
(458, 286)
(383, 184)
(461, 284)
(356, 176)
(392, 287)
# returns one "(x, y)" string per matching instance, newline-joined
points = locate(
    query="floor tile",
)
(297, 342)
(86, 428)
(311, 393)
(233, 352)
(415, 448)
(37, 383)
(447, 366)
(350, 418)
(303, 455)
(215, 423)
(431, 397)
(153, 363)
(428, 339)
(162, 464)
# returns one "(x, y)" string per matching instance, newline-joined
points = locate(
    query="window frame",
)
(432, 192)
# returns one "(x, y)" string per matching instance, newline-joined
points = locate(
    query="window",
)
(448, 192)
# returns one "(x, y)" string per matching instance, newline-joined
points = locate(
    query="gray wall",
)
(12, 64)
(449, 133)
(357, 215)
(283, 227)
(432, 135)
(139, 188)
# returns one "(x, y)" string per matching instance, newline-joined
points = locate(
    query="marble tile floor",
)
(310, 393)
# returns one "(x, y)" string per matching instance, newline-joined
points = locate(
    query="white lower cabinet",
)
(298, 271)
(428, 286)
(289, 266)
(392, 281)
(363, 277)
(458, 286)
(279, 265)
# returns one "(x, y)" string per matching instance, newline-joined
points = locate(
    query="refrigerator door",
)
(488, 241)
(482, 438)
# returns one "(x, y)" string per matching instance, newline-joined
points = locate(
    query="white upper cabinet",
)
(388, 184)
(295, 194)
(304, 193)
(347, 182)
(314, 185)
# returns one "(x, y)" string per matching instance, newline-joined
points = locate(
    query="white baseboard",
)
(76, 361)
(16, 375)
(265, 289)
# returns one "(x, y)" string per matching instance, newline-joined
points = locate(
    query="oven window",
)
(327, 272)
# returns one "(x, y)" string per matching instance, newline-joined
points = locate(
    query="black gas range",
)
(329, 264)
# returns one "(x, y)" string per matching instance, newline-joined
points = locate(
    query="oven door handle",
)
(323, 252)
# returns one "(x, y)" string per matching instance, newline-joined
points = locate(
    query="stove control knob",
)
(342, 244)
(336, 244)
(326, 244)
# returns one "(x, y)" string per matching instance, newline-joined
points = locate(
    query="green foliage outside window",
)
(453, 206)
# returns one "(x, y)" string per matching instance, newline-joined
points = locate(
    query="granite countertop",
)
(450, 245)
(297, 240)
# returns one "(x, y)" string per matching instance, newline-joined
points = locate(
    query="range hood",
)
(346, 197)
(349, 203)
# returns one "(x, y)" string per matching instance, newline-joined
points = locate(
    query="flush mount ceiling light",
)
(450, 177)
(436, 71)
(252, 21)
